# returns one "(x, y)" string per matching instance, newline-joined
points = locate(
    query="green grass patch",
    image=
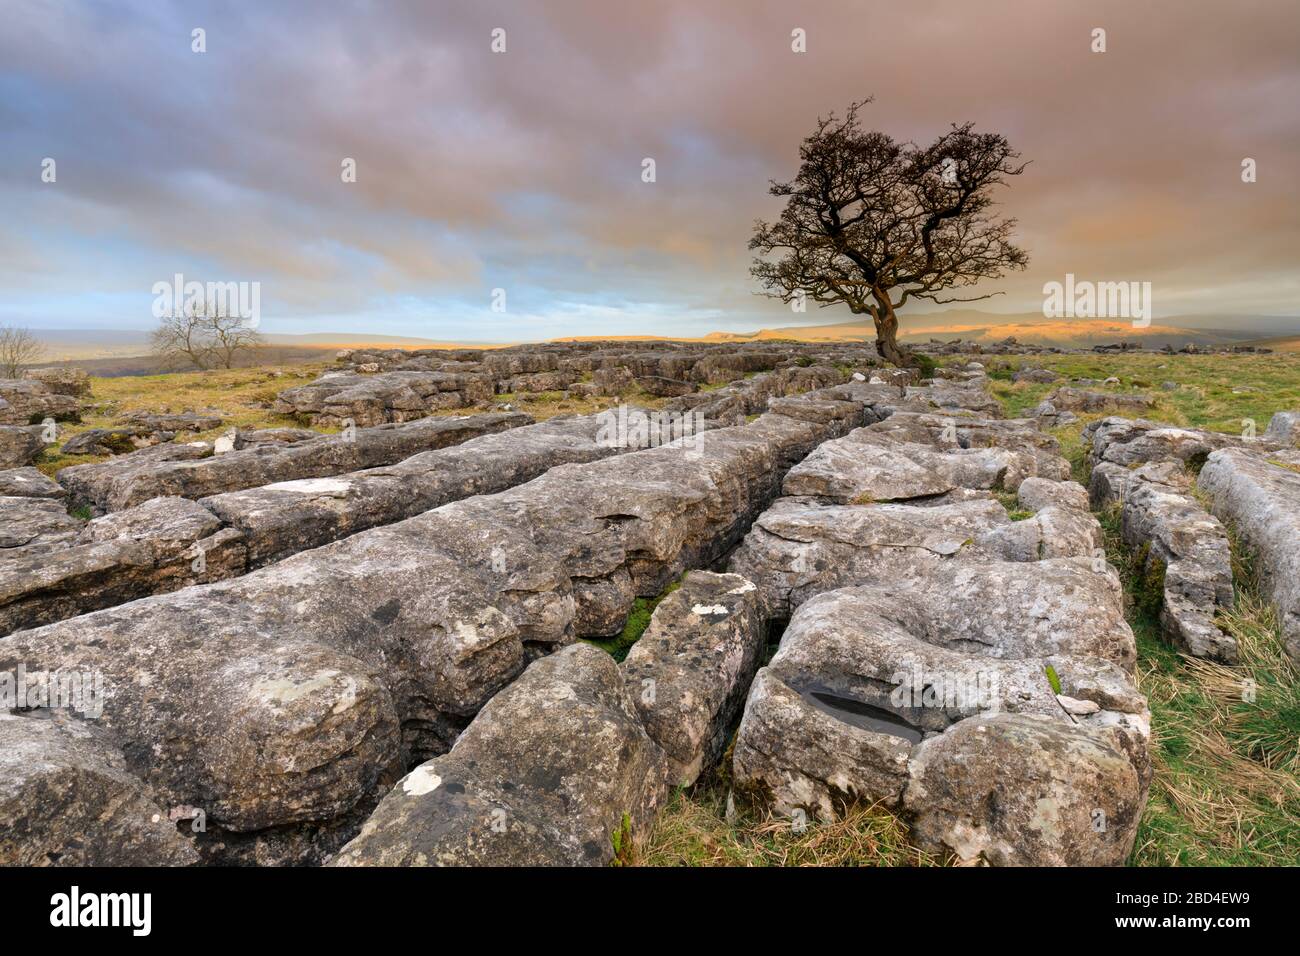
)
(638, 619)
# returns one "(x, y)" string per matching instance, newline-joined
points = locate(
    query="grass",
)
(698, 829)
(1225, 740)
(242, 396)
(638, 619)
(1217, 392)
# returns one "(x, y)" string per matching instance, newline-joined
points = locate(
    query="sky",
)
(522, 170)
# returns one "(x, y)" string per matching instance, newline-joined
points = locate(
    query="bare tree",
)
(230, 336)
(871, 223)
(203, 336)
(18, 349)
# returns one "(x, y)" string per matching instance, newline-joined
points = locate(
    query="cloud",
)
(522, 170)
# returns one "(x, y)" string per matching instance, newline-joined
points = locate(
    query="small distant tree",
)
(872, 223)
(18, 349)
(204, 337)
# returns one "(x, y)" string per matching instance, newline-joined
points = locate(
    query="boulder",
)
(552, 772)
(1131, 442)
(1025, 790)
(114, 441)
(28, 483)
(1038, 375)
(1071, 399)
(18, 446)
(66, 799)
(61, 380)
(27, 402)
(689, 672)
(173, 422)
(1261, 501)
(1284, 428)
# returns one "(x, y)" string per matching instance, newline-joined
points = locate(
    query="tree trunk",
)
(887, 339)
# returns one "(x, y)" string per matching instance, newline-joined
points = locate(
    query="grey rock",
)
(1125, 441)
(113, 486)
(860, 698)
(799, 547)
(114, 441)
(1024, 790)
(1071, 399)
(1284, 428)
(545, 775)
(162, 545)
(280, 436)
(61, 380)
(18, 446)
(1262, 502)
(1189, 549)
(880, 463)
(66, 799)
(27, 402)
(173, 422)
(1035, 375)
(416, 625)
(285, 517)
(34, 526)
(690, 670)
(28, 483)
(396, 396)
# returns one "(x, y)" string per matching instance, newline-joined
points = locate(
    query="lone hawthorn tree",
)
(872, 223)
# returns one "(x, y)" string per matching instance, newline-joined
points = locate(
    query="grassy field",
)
(243, 397)
(1226, 782)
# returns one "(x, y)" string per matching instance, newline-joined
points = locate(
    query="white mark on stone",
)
(420, 781)
(313, 486)
(702, 610)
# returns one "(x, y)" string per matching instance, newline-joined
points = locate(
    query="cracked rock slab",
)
(689, 672)
(66, 799)
(1261, 501)
(545, 775)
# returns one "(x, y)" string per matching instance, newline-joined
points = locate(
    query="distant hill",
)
(109, 352)
(1032, 329)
